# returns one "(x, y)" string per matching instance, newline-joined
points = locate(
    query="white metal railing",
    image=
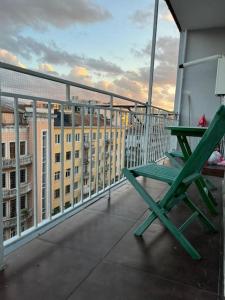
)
(106, 137)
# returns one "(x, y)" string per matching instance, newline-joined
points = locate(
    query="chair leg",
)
(201, 215)
(160, 212)
(206, 196)
(180, 238)
(209, 184)
(143, 226)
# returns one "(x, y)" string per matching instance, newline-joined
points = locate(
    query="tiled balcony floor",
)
(94, 255)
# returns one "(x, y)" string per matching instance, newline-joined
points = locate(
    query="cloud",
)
(141, 17)
(25, 46)
(42, 13)
(47, 68)
(163, 95)
(8, 57)
(80, 75)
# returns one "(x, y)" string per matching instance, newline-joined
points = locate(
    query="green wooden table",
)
(182, 132)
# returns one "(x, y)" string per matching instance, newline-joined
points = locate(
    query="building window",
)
(3, 150)
(22, 175)
(76, 170)
(68, 138)
(75, 185)
(57, 175)
(12, 232)
(22, 148)
(85, 181)
(94, 136)
(68, 155)
(77, 137)
(12, 149)
(86, 137)
(57, 193)
(3, 180)
(12, 180)
(68, 172)
(4, 209)
(23, 202)
(68, 189)
(75, 200)
(100, 135)
(77, 153)
(57, 157)
(92, 150)
(13, 208)
(57, 138)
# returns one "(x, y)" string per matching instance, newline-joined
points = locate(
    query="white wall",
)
(199, 80)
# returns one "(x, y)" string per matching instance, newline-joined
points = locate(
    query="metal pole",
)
(151, 77)
(152, 63)
(1, 198)
(180, 72)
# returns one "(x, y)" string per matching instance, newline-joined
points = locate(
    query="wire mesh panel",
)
(58, 153)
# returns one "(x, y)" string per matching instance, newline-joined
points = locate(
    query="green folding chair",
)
(179, 180)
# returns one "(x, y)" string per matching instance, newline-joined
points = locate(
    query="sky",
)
(101, 43)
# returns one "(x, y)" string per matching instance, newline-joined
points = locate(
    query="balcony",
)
(11, 222)
(94, 255)
(11, 163)
(92, 252)
(11, 193)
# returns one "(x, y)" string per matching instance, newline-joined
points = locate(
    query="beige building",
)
(93, 156)
(95, 160)
(9, 172)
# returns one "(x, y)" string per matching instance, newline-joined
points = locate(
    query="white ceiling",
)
(199, 14)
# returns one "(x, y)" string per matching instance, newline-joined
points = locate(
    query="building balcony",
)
(95, 253)
(11, 193)
(86, 145)
(11, 222)
(86, 161)
(11, 162)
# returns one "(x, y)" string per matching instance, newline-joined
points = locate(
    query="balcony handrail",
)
(37, 74)
(125, 125)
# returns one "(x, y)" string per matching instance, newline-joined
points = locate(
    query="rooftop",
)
(94, 255)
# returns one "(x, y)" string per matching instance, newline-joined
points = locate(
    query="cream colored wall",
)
(77, 162)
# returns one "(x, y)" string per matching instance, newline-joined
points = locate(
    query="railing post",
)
(1, 198)
(110, 135)
(67, 92)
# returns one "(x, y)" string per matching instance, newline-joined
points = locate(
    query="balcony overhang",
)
(200, 14)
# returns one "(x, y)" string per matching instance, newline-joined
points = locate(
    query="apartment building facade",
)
(9, 172)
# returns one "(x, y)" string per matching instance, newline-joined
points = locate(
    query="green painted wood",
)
(164, 219)
(187, 131)
(188, 221)
(175, 177)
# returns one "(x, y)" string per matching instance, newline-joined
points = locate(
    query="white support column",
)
(180, 72)
(151, 76)
(1, 198)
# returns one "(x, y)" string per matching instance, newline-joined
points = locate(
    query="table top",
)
(187, 131)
